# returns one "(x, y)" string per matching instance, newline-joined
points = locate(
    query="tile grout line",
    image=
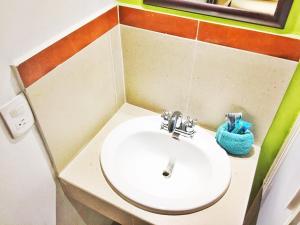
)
(197, 32)
(113, 68)
(118, 12)
(123, 65)
(122, 55)
(189, 90)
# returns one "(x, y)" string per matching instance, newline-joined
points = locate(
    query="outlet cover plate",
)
(17, 116)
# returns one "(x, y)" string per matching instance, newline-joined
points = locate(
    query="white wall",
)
(27, 188)
(281, 189)
(25, 25)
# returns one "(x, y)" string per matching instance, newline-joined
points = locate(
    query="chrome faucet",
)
(174, 123)
(174, 120)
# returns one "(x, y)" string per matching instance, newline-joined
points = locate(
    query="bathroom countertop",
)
(83, 180)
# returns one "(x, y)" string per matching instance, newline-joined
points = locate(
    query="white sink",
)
(137, 159)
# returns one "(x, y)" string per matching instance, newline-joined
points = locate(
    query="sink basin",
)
(156, 172)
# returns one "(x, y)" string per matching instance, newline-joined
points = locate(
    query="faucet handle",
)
(189, 124)
(166, 115)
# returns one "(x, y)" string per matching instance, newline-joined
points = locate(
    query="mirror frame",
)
(277, 20)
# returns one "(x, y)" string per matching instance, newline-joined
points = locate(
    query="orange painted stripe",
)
(40, 64)
(254, 41)
(163, 23)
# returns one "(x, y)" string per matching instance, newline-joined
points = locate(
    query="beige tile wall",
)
(76, 99)
(232, 80)
(157, 69)
(162, 72)
(203, 80)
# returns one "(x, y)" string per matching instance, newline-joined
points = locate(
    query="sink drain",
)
(166, 174)
(169, 169)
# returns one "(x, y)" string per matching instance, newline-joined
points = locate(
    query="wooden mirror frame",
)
(277, 20)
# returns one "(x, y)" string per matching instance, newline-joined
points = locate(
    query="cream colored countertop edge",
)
(84, 181)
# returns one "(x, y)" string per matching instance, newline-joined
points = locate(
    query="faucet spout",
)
(173, 120)
(176, 124)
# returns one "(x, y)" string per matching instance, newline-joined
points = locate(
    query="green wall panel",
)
(282, 123)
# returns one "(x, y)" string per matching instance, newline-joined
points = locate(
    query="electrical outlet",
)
(17, 116)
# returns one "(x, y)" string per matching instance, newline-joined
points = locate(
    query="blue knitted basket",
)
(235, 144)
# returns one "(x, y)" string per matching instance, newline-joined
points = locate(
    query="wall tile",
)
(232, 80)
(75, 99)
(157, 69)
(254, 41)
(159, 22)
